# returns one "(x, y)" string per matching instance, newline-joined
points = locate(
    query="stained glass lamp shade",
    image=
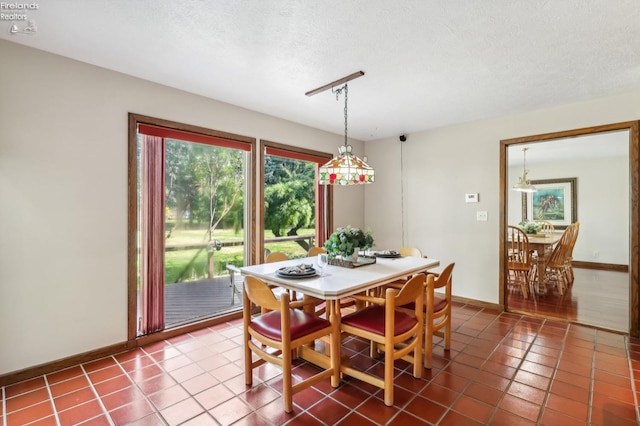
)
(346, 169)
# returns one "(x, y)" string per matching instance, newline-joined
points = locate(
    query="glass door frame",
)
(327, 191)
(251, 232)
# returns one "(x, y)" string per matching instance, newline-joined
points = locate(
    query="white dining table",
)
(338, 282)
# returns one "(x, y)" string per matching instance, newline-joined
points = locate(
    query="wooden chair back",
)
(574, 238)
(410, 251)
(519, 261)
(569, 259)
(547, 227)
(559, 263)
(518, 250)
(260, 294)
(561, 250)
(276, 256)
(438, 311)
(314, 251)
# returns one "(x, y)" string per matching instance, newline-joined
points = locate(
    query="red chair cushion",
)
(371, 319)
(439, 304)
(301, 324)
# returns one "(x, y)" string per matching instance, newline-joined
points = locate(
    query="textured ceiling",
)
(427, 63)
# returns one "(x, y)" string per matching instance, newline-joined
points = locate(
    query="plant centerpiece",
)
(344, 241)
(530, 227)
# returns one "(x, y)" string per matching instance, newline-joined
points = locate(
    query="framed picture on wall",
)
(555, 200)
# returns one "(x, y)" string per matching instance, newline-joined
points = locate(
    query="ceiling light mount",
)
(346, 168)
(333, 84)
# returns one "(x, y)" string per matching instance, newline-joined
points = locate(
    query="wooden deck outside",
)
(190, 301)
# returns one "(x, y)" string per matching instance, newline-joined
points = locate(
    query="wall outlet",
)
(481, 216)
(596, 254)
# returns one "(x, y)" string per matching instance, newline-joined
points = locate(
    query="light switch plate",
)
(481, 216)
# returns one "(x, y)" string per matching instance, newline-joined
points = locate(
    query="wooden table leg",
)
(336, 340)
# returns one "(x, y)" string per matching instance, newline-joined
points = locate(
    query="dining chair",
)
(404, 251)
(560, 259)
(547, 227)
(569, 258)
(314, 251)
(236, 281)
(398, 334)
(410, 251)
(276, 335)
(437, 311)
(519, 260)
(276, 256)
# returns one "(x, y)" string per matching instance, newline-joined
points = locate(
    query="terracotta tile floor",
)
(503, 369)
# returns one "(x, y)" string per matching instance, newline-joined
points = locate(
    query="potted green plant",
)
(344, 241)
(530, 227)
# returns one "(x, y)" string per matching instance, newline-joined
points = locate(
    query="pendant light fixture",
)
(346, 168)
(524, 185)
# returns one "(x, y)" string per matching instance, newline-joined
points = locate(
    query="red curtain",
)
(152, 235)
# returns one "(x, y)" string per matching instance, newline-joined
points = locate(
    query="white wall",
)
(63, 196)
(602, 190)
(442, 165)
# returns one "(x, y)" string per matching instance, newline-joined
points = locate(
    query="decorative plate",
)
(297, 271)
(387, 254)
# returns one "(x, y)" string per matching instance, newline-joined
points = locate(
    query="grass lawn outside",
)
(191, 264)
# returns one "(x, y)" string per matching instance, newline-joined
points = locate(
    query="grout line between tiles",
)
(543, 406)
(632, 377)
(98, 398)
(51, 400)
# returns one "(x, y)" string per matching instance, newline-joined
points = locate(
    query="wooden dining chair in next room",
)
(275, 336)
(518, 259)
(397, 333)
(569, 257)
(547, 227)
(559, 264)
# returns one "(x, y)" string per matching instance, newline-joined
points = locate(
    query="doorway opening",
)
(605, 258)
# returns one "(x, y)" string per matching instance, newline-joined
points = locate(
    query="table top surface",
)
(551, 238)
(338, 281)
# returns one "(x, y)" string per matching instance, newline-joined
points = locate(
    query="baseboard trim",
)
(600, 266)
(60, 364)
(478, 303)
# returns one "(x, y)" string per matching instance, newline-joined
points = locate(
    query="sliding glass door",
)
(192, 223)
